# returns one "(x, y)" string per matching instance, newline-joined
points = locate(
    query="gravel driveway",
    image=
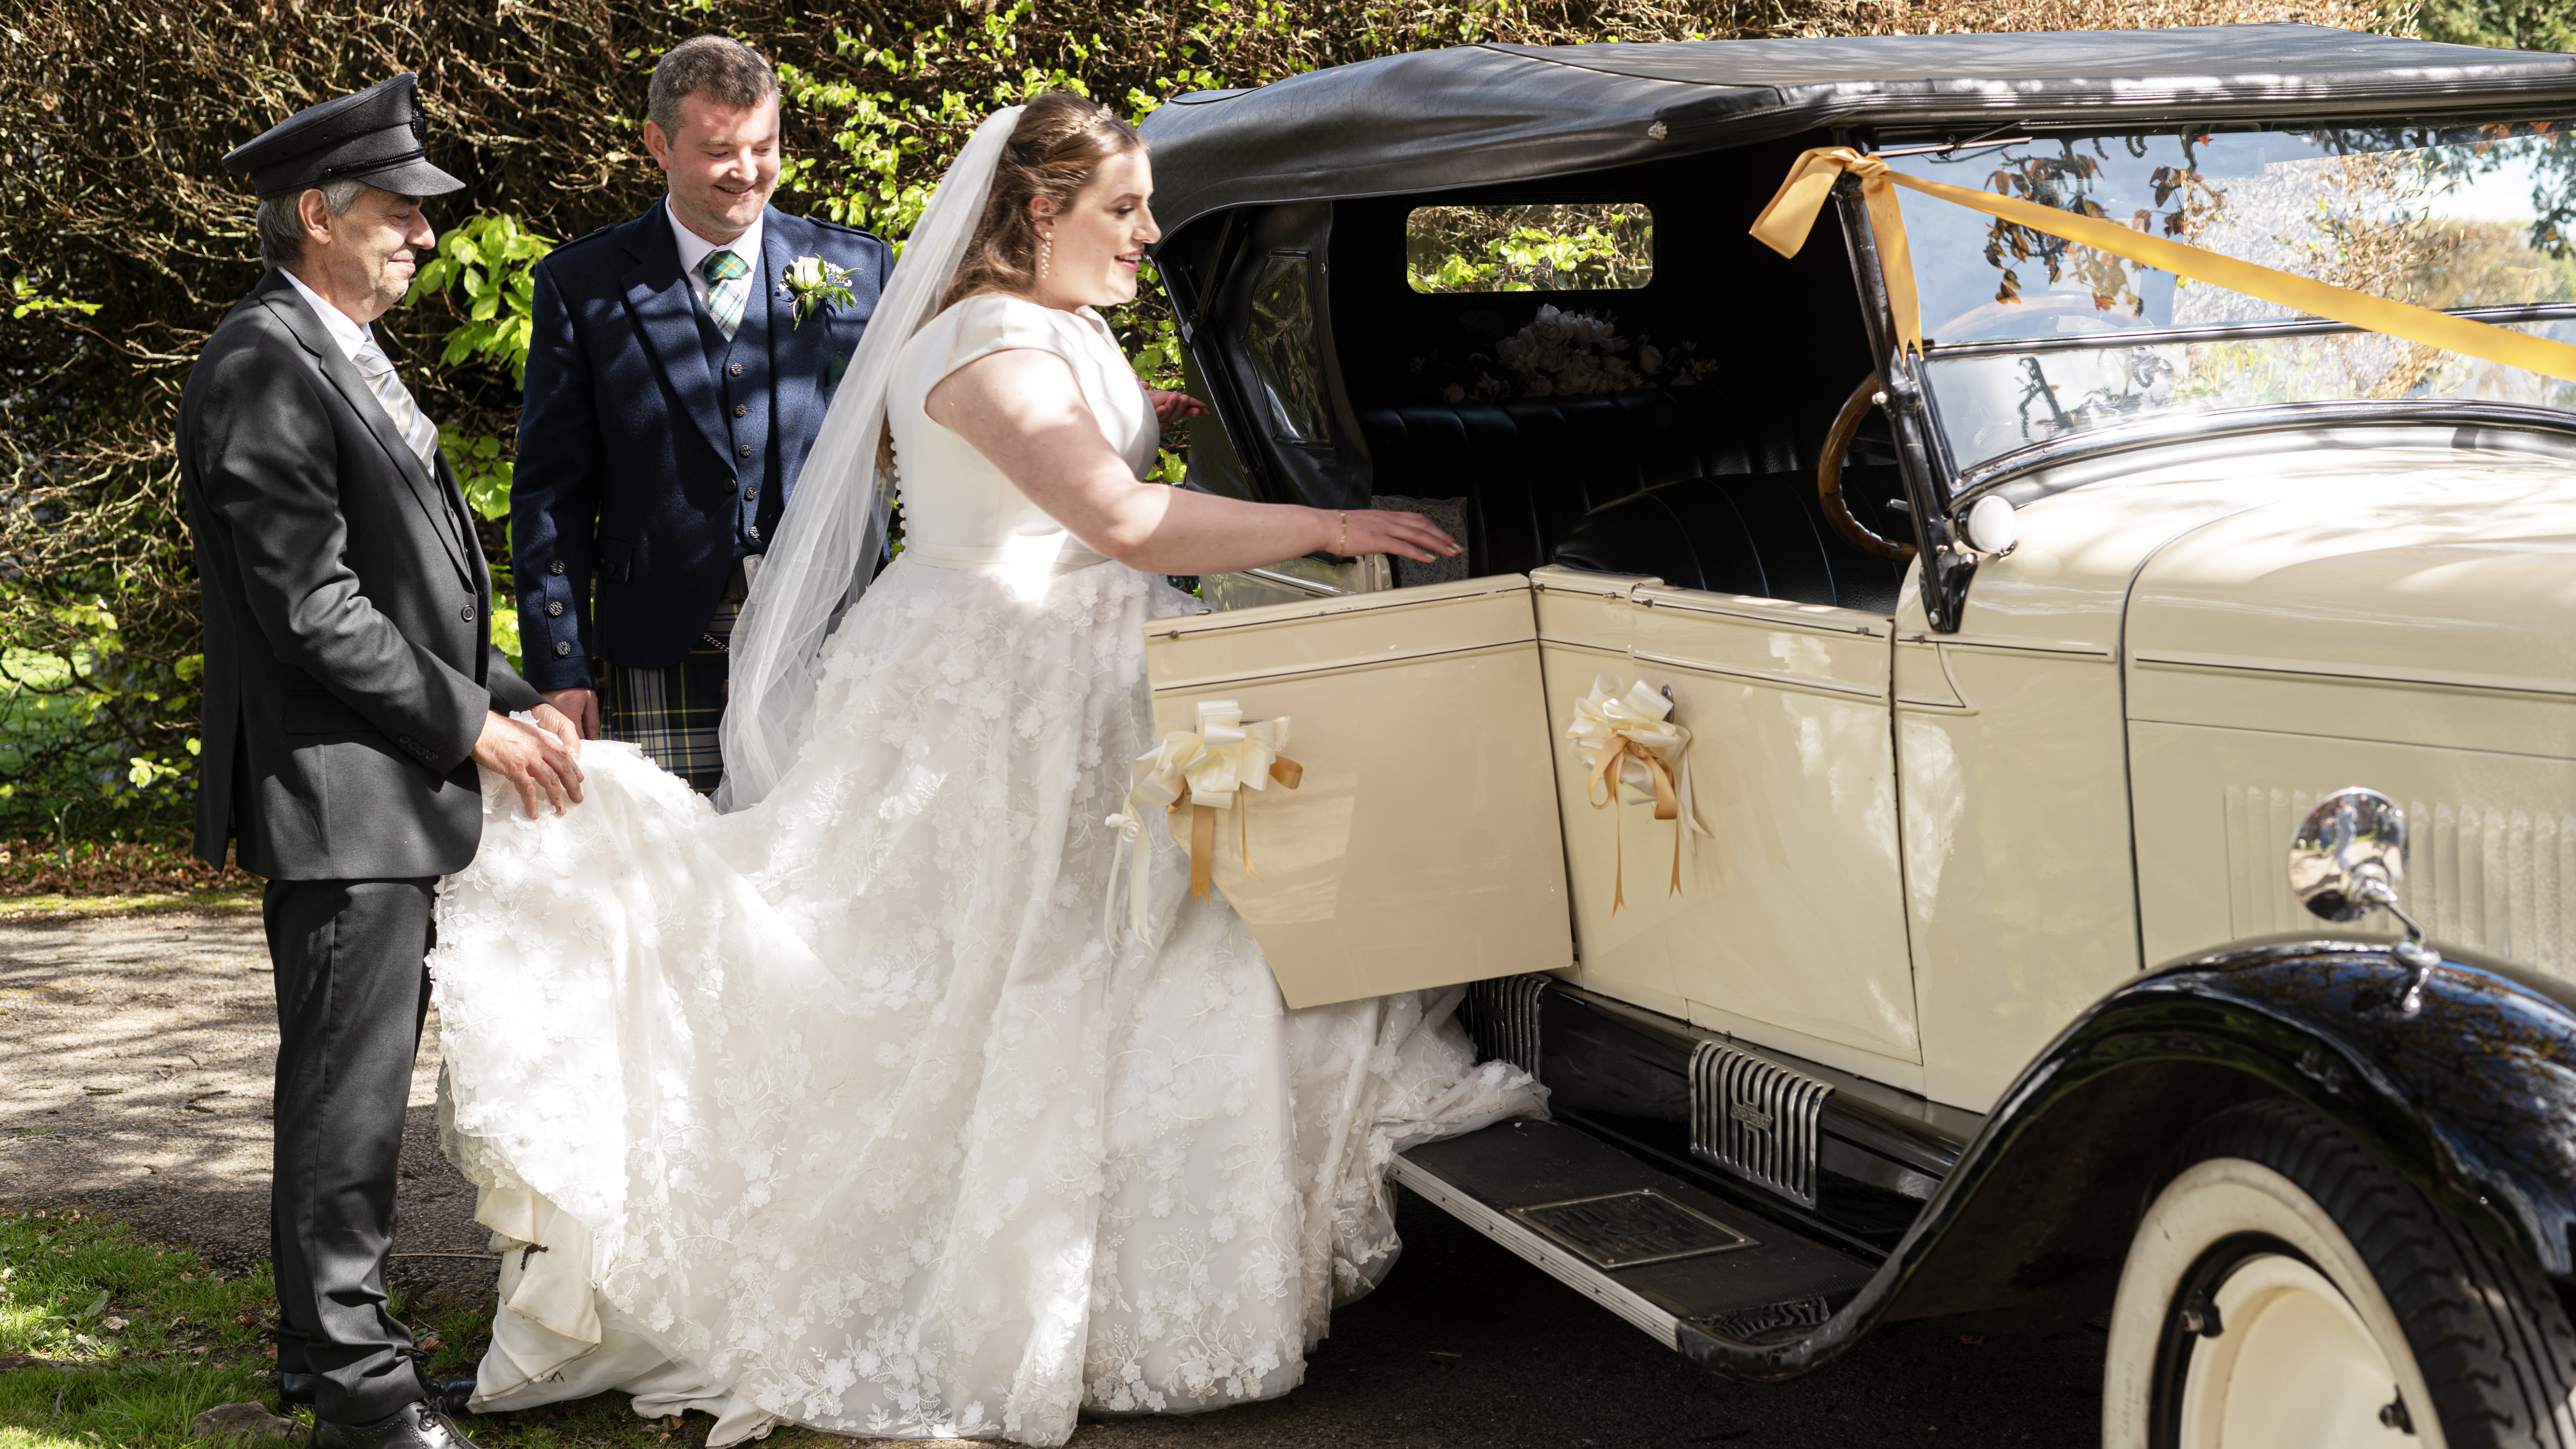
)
(135, 1062)
(135, 1056)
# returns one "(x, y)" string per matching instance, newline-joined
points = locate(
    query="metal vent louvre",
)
(1502, 1015)
(1756, 1119)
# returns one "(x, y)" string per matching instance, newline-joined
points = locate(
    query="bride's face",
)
(1100, 236)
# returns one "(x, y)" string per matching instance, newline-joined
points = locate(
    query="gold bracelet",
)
(1344, 548)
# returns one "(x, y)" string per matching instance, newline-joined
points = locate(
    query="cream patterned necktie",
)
(727, 290)
(418, 432)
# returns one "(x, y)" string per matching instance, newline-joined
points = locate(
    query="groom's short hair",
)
(727, 72)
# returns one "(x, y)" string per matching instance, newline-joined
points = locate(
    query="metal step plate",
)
(1646, 1245)
(1626, 1229)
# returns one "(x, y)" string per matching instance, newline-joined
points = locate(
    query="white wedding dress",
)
(838, 1109)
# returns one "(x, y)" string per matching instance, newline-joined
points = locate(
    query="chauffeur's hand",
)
(537, 761)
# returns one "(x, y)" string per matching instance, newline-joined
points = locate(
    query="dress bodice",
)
(958, 509)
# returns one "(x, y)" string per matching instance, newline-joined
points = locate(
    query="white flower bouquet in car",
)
(1576, 354)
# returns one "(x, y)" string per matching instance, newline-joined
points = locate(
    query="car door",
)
(1421, 846)
(1789, 924)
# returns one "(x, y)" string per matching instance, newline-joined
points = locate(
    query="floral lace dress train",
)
(840, 1110)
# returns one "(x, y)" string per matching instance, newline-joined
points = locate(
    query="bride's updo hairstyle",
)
(1053, 152)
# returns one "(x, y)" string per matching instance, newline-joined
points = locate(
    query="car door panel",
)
(1421, 848)
(1790, 921)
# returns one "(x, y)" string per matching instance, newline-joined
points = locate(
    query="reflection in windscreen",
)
(2028, 329)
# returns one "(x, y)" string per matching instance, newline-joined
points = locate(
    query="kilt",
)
(672, 712)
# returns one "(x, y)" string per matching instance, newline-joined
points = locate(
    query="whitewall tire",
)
(2286, 1289)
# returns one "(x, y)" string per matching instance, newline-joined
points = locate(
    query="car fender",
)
(2470, 1096)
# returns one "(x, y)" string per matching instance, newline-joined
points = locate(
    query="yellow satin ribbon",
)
(1203, 771)
(1628, 739)
(1784, 224)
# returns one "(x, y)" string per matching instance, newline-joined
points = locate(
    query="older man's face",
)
(722, 164)
(364, 258)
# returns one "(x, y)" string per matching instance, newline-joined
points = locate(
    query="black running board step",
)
(1642, 1243)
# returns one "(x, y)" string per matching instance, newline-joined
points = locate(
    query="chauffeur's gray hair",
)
(281, 224)
(727, 72)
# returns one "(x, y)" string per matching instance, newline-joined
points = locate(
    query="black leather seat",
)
(1691, 486)
(1755, 533)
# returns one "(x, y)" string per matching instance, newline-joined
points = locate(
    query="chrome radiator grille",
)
(1502, 1015)
(1756, 1119)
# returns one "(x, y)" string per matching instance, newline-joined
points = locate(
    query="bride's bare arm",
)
(1023, 410)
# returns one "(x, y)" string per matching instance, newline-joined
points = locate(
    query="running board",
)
(1646, 1245)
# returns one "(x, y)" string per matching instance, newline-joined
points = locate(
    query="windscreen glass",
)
(2033, 337)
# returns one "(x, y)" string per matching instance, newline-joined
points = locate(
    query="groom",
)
(679, 370)
(351, 690)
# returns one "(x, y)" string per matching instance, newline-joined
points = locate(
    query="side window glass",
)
(1280, 338)
(1573, 247)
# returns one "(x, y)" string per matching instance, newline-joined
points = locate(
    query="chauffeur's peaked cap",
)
(373, 136)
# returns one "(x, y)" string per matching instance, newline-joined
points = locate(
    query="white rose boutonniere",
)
(814, 282)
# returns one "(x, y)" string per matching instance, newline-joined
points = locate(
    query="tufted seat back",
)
(1532, 469)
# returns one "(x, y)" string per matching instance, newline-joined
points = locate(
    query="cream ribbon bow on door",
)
(1630, 740)
(1206, 770)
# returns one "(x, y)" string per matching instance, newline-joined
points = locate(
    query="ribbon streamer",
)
(1629, 740)
(1784, 224)
(1204, 771)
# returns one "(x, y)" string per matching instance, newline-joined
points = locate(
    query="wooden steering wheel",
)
(1829, 477)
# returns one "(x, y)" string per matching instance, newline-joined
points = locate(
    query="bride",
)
(838, 1108)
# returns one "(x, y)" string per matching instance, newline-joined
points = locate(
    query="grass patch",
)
(136, 1340)
(40, 907)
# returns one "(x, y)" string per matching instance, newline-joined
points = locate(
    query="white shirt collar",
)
(345, 330)
(694, 248)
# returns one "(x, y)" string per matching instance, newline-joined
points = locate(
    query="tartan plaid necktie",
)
(418, 432)
(726, 289)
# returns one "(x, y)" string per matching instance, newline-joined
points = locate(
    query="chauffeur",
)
(675, 383)
(351, 690)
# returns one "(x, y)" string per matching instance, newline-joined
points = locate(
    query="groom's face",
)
(722, 163)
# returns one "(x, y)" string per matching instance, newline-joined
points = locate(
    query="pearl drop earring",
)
(1046, 255)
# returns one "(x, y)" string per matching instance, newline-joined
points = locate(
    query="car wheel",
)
(2287, 1288)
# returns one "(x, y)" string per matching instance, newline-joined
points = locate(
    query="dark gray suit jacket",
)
(349, 656)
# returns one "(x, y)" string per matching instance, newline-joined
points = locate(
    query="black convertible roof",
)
(1480, 114)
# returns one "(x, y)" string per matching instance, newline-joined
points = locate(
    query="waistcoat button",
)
(562, 649)
(744, 450)
(736, 369)
(751, 495)
(556, 567)
(741, 409)
(754, 530)
(555, 610)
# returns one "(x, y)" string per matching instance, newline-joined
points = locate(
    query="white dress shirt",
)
(694, 249)
(346, 330)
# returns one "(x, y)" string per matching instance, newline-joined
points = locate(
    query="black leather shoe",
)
(449, 1396)
(413, 1426)
(295, 1388)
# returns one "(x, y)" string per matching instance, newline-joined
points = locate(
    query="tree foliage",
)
(127, 242)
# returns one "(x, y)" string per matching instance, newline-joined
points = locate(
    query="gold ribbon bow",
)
(1784, 224)
(1204, 770)
(1630, 740)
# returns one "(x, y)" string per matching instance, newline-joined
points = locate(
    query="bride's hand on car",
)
(1171, 408)
(1380, 530)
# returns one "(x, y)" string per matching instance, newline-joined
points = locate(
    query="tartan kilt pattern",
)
(671, 713)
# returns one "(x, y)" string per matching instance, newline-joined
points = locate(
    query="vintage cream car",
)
(2051, 717)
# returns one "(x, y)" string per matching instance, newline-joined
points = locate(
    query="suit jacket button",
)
(736, 369)
(554, 610)
(743, 451)
(562, 649)
(466, 613)
(556, 567)
(741, 409)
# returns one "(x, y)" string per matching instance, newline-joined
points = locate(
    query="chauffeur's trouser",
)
(352, 992)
